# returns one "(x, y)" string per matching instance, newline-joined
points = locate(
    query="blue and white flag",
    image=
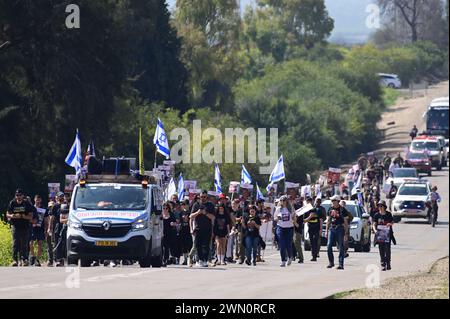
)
(74, 157)
(171, 189)
(259, 195)
(278, 171)
(217, 180)
(268, 187)
(180, 187)
(161, 141)
(245, 176)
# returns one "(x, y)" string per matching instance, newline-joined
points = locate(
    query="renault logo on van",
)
(106, 225)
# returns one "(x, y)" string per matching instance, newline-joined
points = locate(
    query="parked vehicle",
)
(360, 230)
(390, 80)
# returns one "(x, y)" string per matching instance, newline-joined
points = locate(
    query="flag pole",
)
(154, 165)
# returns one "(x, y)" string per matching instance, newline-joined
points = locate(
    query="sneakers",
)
(60, 264)
(37, 263)
(248, 262)
(25, 263)
(32, 260)
(184, 262)
(241, 262)
(254, 262)
(346, 255)
(283, 264)
(340, 267)
(300, 261)
(330, 266)
(50, 263)
(289, 262)
(198, 264)
(14, 264)
(204, 264)
(314, 259)
(388, 266)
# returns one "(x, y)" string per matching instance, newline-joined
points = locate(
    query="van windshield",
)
(111, 197)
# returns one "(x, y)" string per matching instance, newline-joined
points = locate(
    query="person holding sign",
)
(285, 230)
(382, 226)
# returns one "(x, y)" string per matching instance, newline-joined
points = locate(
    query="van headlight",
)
(397, 205)
(74, 223)
(139, 224)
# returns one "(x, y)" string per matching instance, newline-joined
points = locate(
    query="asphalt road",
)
(418, 246)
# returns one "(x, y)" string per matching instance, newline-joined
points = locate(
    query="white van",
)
(115, 217)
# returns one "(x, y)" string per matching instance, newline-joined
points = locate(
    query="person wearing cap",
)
(285, 230)
(335, 231)
(19, 215)
(382, 227)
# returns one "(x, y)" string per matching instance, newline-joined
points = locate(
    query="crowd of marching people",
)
(217, 230)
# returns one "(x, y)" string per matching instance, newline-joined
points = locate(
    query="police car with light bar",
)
(116, 215)
(410, 200)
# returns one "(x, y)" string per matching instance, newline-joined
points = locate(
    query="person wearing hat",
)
(19, 215)
(382, 227)
(285, 230)
(335, 230)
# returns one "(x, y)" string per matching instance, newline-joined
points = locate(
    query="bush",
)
(5, 245)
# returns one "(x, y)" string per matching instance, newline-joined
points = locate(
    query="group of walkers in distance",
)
(218, 230)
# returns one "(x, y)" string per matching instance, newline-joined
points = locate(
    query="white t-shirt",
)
(284, 217)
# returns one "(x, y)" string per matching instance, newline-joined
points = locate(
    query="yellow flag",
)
(141, 154)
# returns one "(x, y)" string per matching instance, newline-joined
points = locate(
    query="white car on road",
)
(400, 175)
(359, 227)
(390, 80)
(410, 200)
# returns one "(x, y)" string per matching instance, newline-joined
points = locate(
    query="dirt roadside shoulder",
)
(425, 285)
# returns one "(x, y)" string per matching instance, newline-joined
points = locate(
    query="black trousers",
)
(385, 252)
(314, 234)
(203, 245)
(21, 236)
(49, 241)
(61, 243)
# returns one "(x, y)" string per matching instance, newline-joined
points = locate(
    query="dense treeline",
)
(131, 61)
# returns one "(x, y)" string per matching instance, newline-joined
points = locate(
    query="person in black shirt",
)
(203, 232)
(298, 231)
(40, 221)
(251, 225)
(185, 233)
(335, 231)
(221, 230)
(58, 227)
(20, 214)
(322, 214)
(382, 226)
(169, 233)
(392, 193)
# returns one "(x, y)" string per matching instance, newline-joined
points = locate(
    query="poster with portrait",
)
(71, 181)
(190, 184)
(383, 234)
(53, 188)
(334, 175)
(193, 192)
(234, 187)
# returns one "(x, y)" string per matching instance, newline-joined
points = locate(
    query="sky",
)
(349, 19)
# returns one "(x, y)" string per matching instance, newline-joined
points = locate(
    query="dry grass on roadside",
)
(429, 285)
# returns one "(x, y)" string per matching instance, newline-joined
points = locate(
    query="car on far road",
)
(360, 230)
(431, 146)
(420, 161)
(410, 200)
(390, 80)
(400, 175)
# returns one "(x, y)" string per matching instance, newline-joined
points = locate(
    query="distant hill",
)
(349, 19)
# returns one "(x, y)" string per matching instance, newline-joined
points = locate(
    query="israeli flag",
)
(245, 176)
(171, 189)
(180, 187)
(74, 158)
(217, 180)
(259, 195)
(269, 186)
(161, 141)
(278, 171)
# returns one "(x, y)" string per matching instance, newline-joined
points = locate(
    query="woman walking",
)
(221, 230)
(251, 226)
(285, 230)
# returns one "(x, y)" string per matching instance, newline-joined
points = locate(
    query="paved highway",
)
(418, 247)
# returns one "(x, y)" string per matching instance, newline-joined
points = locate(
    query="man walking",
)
(335, 231)
(19, 214)
(382, 227)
